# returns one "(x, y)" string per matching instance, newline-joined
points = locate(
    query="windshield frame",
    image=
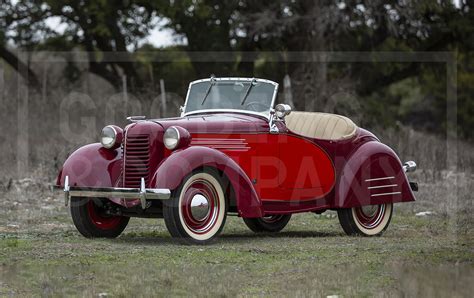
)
(264, 114)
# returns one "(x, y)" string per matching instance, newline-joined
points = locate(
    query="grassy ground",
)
(41, 253)
(417, 256)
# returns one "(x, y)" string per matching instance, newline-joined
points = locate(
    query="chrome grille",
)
(136, 160)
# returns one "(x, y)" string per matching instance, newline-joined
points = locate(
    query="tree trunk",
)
(22, 68)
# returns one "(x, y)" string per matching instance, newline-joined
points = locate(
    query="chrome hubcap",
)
(199, 207)
(369, 211)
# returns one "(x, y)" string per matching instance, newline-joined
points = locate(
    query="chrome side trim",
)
(124, 155)
(381, 178)
(382, 186)
(221, 144)
(386, 194)
(141, 193)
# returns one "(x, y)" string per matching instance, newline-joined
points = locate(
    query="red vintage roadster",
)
(232, 153)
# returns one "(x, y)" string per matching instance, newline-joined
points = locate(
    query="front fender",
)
(92, 166)
(180, 163)
(372, 175)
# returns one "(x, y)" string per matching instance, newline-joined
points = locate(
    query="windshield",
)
(251, 95)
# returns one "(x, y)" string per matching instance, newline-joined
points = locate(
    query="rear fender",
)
(372, 175)
(92, 166)
(180, 163)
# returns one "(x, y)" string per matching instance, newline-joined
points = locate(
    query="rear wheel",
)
(91, 220)
(271, 223)
(369, 220)
(197, 210)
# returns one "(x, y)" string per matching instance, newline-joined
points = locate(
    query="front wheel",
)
(271, 223)
(92, 221)
(197, 210)
(369, 220)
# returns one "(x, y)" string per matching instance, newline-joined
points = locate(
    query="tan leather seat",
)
(321, 125)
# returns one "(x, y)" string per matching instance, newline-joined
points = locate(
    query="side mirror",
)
(282, 110)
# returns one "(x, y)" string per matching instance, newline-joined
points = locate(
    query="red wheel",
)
(368, 220)
(197, 210)
(100, 220)
(271, 219)
(271, 223)
(91, 220)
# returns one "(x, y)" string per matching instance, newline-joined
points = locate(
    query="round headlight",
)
(171, 138)
(176, 137)
(111, 136)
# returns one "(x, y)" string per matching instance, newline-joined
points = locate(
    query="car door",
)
(306, 171)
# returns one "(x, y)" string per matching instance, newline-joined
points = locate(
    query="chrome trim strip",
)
(226, 111)
(264, 114)
(124, 155)
(126, 193)
(229, 148)
(218, 140)
(142, 193)
(136, 118)
(382, 186)
(381, 178)
(66, 190)
(221, 144)
(386, 194)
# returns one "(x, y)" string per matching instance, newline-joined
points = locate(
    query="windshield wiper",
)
(211, 83)
(248, 91)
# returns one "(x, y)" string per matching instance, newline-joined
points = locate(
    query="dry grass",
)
(41, 253)
(311, 257)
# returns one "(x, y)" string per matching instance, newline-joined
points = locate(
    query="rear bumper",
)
(141, 193)
(410, 166)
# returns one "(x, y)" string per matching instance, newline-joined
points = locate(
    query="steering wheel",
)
(255, 104)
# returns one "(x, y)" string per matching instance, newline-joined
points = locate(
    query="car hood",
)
(217, 123)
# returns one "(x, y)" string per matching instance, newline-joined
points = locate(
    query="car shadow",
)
(161, 239)
(289, 234)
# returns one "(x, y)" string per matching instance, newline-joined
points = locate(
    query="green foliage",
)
(176, 69)
(465, 95)
(229, 36)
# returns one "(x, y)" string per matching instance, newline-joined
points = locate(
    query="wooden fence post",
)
(164, 111)
(2, 82)
(44, 83)
(23, 146)
(125, 93)
(288, 95)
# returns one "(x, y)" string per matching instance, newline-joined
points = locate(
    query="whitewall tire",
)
(197, 210)
(370, 220)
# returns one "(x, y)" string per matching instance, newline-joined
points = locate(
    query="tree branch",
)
(22, 68)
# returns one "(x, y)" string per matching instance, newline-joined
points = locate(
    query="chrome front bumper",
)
(141, 193)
